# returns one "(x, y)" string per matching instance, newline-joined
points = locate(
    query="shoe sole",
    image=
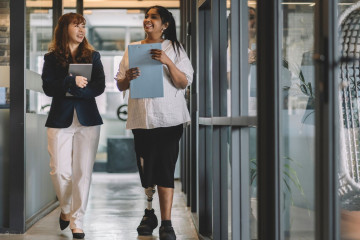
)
(144, 233)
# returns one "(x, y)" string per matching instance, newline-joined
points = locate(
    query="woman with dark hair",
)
(74, 120)
(157, 123)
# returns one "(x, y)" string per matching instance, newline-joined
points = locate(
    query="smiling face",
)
(152, 22)
(76, 32)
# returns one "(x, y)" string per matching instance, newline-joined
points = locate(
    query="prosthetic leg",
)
(149, 221)
(150, 191)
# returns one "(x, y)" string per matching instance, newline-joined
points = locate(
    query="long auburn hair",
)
(60, 43)
(170, 32)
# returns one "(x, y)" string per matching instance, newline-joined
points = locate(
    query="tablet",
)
(81, 69)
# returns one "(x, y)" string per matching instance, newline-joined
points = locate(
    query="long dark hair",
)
(59, 45)
(170, 32)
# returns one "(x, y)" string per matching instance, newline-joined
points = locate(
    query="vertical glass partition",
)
(250, 110)
(297, 120)
(40, 196)
(228, 100)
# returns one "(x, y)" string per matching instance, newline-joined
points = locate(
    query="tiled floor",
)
(115, 208)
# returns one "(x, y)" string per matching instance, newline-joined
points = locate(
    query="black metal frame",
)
(219, 108)
(240, 192)
(194, 128)
(269, 167)
(80, 7)
(58, 10)
(209, 135)
(204, 162)
(17, 117)
(327, 120)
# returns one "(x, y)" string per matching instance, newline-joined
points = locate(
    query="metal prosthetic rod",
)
(149, 193)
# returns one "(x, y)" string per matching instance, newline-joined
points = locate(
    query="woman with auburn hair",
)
(74, 120)
(157, 123)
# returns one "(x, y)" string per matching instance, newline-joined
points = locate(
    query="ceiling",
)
(89, 4)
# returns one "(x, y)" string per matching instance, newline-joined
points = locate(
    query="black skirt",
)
(156, 153)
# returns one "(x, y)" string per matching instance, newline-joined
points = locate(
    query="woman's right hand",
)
(132, 73)
(81, 81)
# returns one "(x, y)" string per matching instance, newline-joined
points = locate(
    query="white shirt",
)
(170, 110)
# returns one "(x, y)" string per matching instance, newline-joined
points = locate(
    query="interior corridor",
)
(116, 206)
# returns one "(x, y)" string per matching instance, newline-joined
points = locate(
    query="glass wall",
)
(39, 192)
(294, 137)
(297, 120)
(39, 30)
(226, 142)
(250, 99)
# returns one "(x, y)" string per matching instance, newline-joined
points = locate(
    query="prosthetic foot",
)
(149, 221)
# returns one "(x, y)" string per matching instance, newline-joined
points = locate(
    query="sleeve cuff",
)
(69, 82)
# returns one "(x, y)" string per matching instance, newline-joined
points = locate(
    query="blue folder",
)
(150, 82)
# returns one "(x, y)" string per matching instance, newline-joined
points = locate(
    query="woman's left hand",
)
(160, 55)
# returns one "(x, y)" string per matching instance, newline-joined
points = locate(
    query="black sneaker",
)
(148, 223)
(167, 233)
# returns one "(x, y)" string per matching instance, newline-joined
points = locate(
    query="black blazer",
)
(57, 82)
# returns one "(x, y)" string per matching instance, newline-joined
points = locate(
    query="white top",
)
(170, 110)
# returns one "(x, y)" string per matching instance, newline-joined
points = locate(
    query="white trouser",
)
(72, 154)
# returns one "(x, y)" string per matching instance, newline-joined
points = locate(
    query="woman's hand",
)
(160, 55)
(132, 74)
(81, 81)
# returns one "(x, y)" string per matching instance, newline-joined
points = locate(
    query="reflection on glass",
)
(252, 59)
(253, 183)
(251, 84)
(251, 98)
(228, 6)
(297, 121)
(39, 35)
(349, 171)
(228, 64)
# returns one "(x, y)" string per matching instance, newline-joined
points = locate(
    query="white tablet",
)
(81, 69)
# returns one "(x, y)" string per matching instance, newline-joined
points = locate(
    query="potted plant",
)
(289, 177)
